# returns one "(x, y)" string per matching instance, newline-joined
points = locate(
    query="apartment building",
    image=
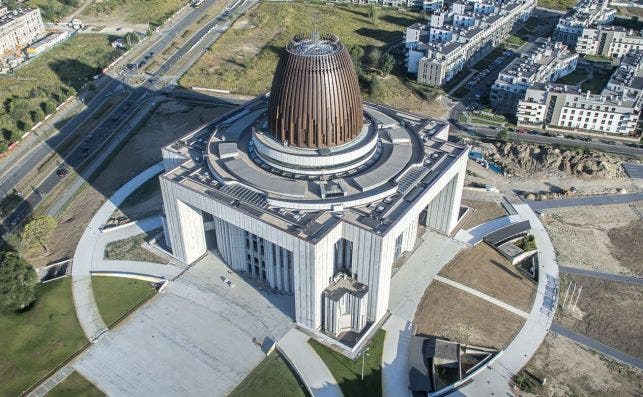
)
(542, 62)
(19, 28)
(608, 41)
(460, 36)
(615, 110)
(586, 14)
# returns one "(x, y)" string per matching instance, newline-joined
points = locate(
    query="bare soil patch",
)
(572, 370)
(483, 211)
(448, 312)
(167, 122)
(604, 238)
(607, 311)
(484, 269)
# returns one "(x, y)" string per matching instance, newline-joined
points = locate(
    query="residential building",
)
(615, 110)
(314, 202)
(608, 41)
(460, 36)
(19, 28)
(542, 62)
(587, 13)
(45, 44)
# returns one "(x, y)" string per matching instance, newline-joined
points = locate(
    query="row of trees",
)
(17, 277)
(19, 113)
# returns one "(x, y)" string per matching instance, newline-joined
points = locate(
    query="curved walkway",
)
(310, 367)
(496, 378)
(91, 249)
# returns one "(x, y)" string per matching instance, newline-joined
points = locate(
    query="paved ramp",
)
(194, 339)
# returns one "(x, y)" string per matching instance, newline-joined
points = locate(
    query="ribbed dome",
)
(315, 101)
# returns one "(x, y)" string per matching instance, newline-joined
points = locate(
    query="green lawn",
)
(271, 378)
(514, 42)
(53, 10)
(115, 296)
(598, 58)
(136, 11)
(75, 385)
(244, 59)
(347, 373)
(50, 78)
(574, 77)
(557, 4)
(36, 341)
(598, 82)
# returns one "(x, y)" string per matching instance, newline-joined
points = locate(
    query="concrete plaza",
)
(198, 337)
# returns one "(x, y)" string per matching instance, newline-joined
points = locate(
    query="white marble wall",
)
(313, 264)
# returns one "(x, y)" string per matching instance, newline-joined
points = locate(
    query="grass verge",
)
(244, 59)
(116, 296)
(130, 249)
(273, 377)
(37, 87)
(561, 5)
(348, 373)
(36, 341)
(135, 11)
(75, 385)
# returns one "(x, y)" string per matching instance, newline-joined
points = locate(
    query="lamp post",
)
(363, 355)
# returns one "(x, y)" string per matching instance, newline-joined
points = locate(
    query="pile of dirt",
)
(525, 160)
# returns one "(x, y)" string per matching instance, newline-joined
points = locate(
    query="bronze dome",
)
(315, 101)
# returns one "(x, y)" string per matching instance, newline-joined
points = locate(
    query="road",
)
(604, 276)
(604, 199)
(597, 346)
(85, 151)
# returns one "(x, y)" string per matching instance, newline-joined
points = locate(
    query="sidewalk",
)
(312, 370)
(497, 378)
(86, 254)
(407, 289)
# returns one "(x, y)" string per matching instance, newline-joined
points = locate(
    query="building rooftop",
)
(343, 284)
(10, 16)
(220, 161)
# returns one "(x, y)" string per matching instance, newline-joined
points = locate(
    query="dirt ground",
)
(483, 211)
(169, 121)
(603, 238)
(607, 311)
(572, 370)
(552, 183)
(457, 315)
(485, 270)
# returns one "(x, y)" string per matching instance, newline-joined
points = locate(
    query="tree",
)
(17, 282)
(373, 56)
(38, 231)
(387, 63)
(503, 136)
(356, 52)
(48, 107)
(37, 115)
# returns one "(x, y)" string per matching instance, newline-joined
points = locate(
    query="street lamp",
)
(363, 354)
